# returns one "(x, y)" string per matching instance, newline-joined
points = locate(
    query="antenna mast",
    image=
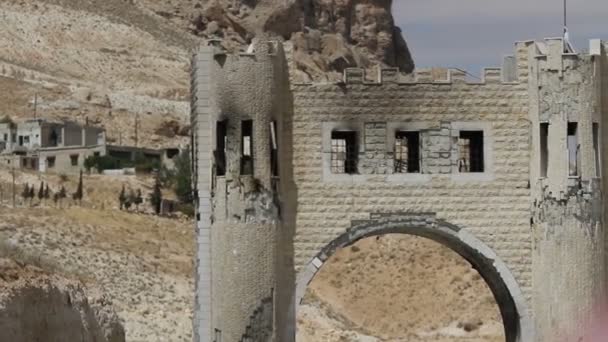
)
(565, 14)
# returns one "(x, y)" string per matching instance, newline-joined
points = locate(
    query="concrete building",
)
(46, 145)
(507, 172)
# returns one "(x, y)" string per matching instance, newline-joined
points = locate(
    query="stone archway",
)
(516, 318)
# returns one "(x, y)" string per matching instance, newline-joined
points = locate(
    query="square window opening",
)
(573, 150)
(344, 152)
(247, 147)
(274, 150)
(471, 156)
(50, 162)
(74, 159)
(407, 152)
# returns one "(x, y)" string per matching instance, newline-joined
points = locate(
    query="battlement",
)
(426, 76)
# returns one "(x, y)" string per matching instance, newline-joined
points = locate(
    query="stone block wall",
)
(493, 206)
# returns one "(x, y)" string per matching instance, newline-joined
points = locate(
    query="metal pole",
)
(565, 14)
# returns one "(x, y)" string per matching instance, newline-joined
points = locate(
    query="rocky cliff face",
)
(327, 35)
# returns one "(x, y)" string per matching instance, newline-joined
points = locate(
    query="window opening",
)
(247, 147)
(344, 152)
(50, 162)
(573, 149)
(220, 148)
(407, 152)
(544, 148)
(471, 156)
(596, 149)
(274, 150)
(74, 159)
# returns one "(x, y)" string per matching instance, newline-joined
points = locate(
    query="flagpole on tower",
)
(568, 48)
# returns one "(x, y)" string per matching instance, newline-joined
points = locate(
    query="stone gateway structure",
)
(507, 172)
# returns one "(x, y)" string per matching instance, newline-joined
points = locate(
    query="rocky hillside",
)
(142, 263)
(125, 63)
(36, 305)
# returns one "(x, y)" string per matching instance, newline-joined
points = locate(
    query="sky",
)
(472, 34)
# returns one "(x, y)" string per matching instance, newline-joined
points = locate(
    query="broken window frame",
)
(471, 154)
(344, 152)
(247, 147)
(573, 150)
(407, 155)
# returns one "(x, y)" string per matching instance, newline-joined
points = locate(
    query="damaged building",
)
(506, 171)
(49, 145)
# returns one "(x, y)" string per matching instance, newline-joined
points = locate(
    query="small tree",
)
(32, 194)
(41, 192)
(138, 199)
(183, 177)
(128, 203)
(60, 195)
(122, 198)
(25, 194)
(156, 197)
(90, 162)
(47, 192)
(77, 196)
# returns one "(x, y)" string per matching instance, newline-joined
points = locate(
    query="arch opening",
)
(504, 289)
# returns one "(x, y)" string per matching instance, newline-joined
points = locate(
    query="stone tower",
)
(242, 105)
(566, 109)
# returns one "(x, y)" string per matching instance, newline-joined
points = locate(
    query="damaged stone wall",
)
(569, 281)
(493, 206)
(567, 212)
(438, 148)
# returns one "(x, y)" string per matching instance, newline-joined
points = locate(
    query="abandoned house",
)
(506, 171)
(46, 145)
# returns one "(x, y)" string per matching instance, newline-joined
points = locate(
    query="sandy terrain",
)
(398, 288)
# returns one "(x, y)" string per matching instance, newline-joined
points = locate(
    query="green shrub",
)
(101, 163)
(186, 209)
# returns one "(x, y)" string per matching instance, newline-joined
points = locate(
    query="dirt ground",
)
(398, 288)
(143, 263)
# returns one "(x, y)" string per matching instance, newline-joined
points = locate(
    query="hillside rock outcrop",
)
(327, 35)
(36, 306)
